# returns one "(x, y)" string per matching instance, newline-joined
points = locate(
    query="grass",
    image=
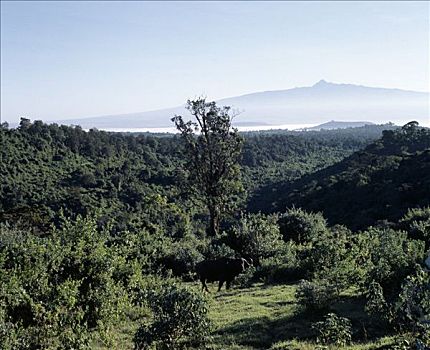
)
(253, 318)
(263, 317)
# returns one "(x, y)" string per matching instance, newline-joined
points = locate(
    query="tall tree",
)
(213, 148)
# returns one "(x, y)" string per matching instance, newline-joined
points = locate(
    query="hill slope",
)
(378, 183)
(331, 125)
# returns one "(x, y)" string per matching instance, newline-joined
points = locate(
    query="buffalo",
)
(222, 270)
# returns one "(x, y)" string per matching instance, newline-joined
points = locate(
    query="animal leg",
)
(227, 285)
(204, 286)
(221, 282)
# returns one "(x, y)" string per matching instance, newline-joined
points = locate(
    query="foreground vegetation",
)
(100, 235)
(76, 287)
(263, 317)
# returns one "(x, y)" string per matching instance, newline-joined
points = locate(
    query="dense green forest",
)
(379, 182)
(48, 168)
(101, 233)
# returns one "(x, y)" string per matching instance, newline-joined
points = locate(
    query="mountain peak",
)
(304, 105)
(322, 82)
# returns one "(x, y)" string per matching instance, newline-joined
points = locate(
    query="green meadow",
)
(262, 317)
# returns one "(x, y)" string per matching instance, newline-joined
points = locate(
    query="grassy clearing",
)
(253, 318)
(268, 317)
(263, 317)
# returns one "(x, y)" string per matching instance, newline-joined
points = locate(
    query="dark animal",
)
(222, 270)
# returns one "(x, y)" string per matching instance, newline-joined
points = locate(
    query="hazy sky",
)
(77, 59)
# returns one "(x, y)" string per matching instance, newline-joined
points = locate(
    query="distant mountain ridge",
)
(302, 105)
(331, 125)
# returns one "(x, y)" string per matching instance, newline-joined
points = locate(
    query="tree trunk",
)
(214, 221)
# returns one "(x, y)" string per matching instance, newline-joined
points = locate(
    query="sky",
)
(64, 60)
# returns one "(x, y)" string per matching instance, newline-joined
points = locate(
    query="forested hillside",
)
(128, 178)
(379, 182)
(46, 169)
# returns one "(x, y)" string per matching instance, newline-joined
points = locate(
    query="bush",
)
(410, 341)
(179, 320)
(333, 330)
(376, 305)
(392, 257)
(301, 226)
(217, 249)
(316, 295)
(256, 236)
(57, 290)
(409, 311)
(417, 223)
(332, 258)
(246, 279)
(273, 271)
(412, 307)
(282, 268)
(182, 256)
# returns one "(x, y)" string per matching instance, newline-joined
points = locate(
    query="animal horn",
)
(249, 261)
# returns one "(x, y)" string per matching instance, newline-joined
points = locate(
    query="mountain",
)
(332, 125)
(302, 105)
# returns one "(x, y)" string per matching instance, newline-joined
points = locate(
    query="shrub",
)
(57, 290)
(333, 330)
(182, 256)
(217, 249)
(412, 307)
(332, 258)
(272, 271)
(180, 319)
(255, 236)
(315, 295)
(417, 223)
(376, 305)
(150, 285)
(282, 268)
(301, 226)
(409, 311)
(88, 259)
(392, 257)
(246, 279)
(410, 341)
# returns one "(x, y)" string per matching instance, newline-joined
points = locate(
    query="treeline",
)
(48, 168)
